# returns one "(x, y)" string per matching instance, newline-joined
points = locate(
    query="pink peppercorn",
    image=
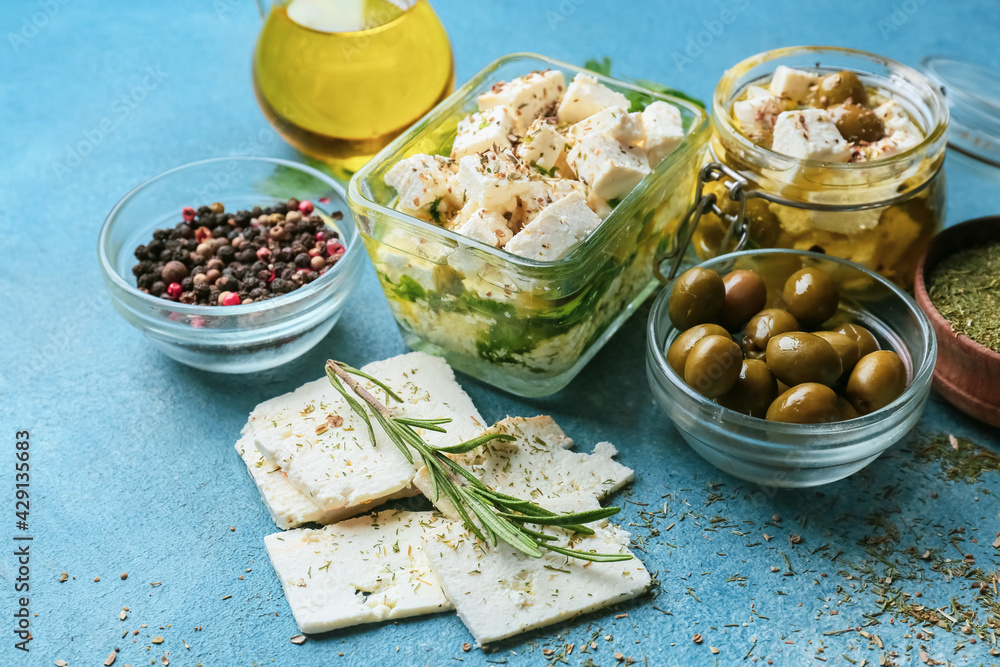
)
(174, 290)
(320, 236)
(334, 248)
(188, 213)
(231, 299)
(305, 207)
(263, 254)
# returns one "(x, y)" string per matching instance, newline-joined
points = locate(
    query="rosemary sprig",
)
(498, 517)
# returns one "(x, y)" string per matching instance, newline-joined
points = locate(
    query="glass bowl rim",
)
(939, 109)
(303, 293)
(922, 372)
(699, 127)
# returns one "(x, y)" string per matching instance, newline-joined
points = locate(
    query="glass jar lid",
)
(973, 95)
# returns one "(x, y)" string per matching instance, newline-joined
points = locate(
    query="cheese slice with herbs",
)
(362, 570)
(288, 506)
(538, 466)
(499, 592)
(324, 449)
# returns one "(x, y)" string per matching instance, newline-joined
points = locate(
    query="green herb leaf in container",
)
(517, 226)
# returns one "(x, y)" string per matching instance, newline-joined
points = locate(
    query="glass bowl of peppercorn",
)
(232, 265)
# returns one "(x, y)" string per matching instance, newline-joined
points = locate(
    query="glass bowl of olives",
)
(789, 368)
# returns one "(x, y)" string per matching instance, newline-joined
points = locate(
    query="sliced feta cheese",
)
(607, 167)
(757, 114)
(483, 131)
(429, 390)
(810, 134)
(585, 96)
(424, 183)
(287, 506)
(492, 179)
(614, 122)
(540, 194)
(538, 466)
(541, 146)
(560, 227)
(527, 97)
(792, 84)
(323, 447)
(664, 131)
(499, 592)
(364, 570)
(485, 226)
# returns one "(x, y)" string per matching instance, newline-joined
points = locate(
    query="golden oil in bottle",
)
(339, 79)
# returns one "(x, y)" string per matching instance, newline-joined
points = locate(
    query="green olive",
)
(753, 392)
(798, 357)
(845, 410)
(877, 380)
(765, 324)
(713, 366)
(808, 403)
(679, 350)
(838, 88)
(863, 337)
(811, 296)
(746, 295)
(857, 123)
(697, 298)
(846, 347)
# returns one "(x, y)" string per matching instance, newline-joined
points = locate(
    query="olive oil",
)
(339, 79)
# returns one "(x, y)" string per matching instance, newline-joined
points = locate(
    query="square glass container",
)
(522, 325)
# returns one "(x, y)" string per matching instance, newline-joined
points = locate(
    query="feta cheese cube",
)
(585, 96)
(538, 466)
(792, 84)
(810, 134)
(421, 180)
(541, 146)
(499, 592)
(664, 130)
(492, 179)
(364, 570)
(395, 264)
(486, 226)
(757, 114)
(527, 97)
(483, 131)
(560, 227)
(540, 194)
(901, 133)
(607, 167)
(323, 447)
(614, 122)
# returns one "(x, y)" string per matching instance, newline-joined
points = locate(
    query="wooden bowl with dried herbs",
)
(958, 286)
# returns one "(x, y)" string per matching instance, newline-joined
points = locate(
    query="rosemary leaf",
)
(478, 441)
(497, 516)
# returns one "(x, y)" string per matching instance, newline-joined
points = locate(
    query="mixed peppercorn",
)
(215, 258)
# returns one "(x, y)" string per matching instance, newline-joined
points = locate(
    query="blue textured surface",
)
(133, 468)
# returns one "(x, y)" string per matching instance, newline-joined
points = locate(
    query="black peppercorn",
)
(173, 272)
(157, 288)
(302, 260)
